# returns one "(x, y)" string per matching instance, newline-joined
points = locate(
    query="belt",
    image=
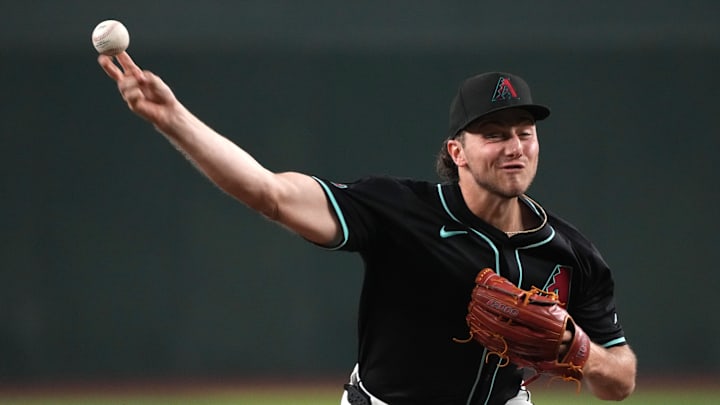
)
(356, 394)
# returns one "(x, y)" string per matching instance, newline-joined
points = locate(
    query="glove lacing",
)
(504, 358)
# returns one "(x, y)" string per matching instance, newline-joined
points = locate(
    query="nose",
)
(514, 147)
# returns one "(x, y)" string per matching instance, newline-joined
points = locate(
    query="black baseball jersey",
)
(422, 248)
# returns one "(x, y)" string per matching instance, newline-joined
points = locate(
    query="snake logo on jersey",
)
(504, 90)
(559, 283)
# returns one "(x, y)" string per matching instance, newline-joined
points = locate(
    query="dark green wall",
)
(119, 259)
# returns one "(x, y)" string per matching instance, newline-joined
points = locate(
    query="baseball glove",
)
(525, 328)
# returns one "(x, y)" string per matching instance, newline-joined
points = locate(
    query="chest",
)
(457, 253)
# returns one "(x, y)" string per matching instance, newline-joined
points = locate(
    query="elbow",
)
(613, 379)
(625, 389)
(261, 200)
(615, 388)
(617, 392)
(629, 389)
(269, 210)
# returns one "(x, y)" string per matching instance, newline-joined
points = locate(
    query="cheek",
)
(532, 150)
(533, 155)
(480, 156)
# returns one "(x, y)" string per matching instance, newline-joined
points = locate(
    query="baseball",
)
(110, 37)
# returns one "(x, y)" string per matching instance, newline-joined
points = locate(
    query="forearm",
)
(610, 373)
(294, 200)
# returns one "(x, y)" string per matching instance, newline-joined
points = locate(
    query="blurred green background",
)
(326, 395)
(118, 260)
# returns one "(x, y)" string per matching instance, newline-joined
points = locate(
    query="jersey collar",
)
(459, 211)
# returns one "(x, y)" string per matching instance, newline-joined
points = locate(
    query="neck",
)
(507, 214)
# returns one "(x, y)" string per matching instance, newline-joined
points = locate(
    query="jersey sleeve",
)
(595, 310)
(361, 207)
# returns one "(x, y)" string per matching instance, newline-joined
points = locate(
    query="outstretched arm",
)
(292, 199)
(610, 373)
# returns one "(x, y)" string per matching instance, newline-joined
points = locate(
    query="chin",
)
(509, 194)
(515, 192)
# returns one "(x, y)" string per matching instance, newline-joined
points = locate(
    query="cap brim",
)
(538, 111)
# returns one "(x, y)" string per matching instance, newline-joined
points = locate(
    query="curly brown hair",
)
(445, 166)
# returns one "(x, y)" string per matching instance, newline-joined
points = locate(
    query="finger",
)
(132, 96)
(110, 67)
(127, 84)
(128, 64)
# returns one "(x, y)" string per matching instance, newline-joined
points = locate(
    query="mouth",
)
(513, 166)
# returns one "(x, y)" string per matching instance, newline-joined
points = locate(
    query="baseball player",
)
(423, 243)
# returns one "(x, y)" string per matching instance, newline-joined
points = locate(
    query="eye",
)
(526, 134)
(493, 135)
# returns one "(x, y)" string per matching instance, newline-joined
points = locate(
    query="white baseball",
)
(110, 37)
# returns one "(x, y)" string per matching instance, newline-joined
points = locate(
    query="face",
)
(498, 154)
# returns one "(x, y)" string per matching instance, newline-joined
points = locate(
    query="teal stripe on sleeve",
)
(614, 342)
(338, 212)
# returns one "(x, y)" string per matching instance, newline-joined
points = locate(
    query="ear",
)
(455, 150)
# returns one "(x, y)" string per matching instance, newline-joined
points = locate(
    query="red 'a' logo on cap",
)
(504, 90)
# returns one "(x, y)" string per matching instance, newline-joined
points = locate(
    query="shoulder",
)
(397, 182)
(563, 229)
(582, 247)
(383, 186)
(566, 228)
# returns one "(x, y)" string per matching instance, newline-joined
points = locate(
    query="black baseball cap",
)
(486, 93)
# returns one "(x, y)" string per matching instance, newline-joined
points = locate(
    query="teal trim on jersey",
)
(477, 379)
(494, 248)
(534, 245)
(489, 242)
(338, 212)
(542, 242)
(444, 204)
(492, 385)
(614, 342)
(520, 267)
